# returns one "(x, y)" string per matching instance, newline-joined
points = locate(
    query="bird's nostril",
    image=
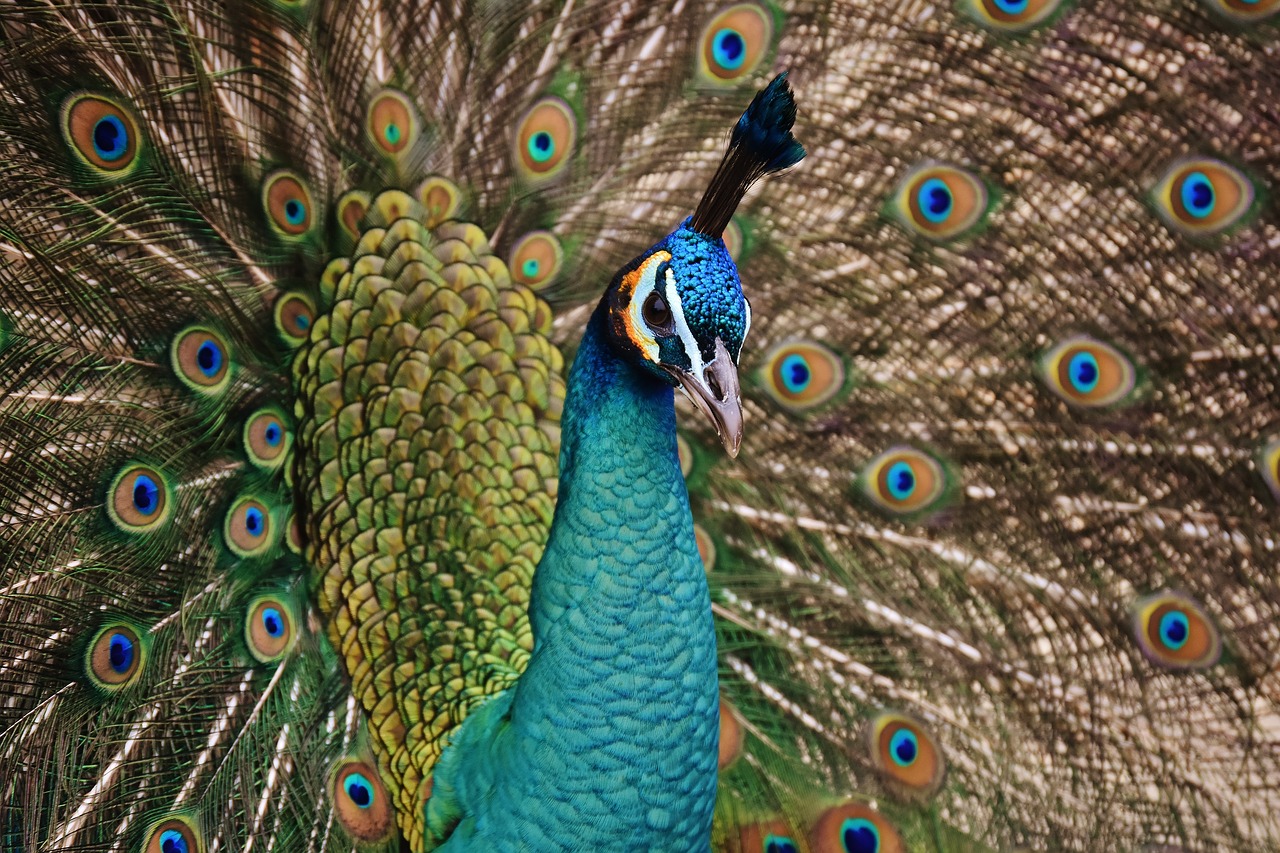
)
(713, 383)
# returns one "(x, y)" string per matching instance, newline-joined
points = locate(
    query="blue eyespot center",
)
(110, 139)
(935, 200)
(1197, 195)
(901, 480)
(302, 321)
(392, 133)
(530, 268)
(273, 621)
(795, 373)
(1012, 7)
(146, 495)
(273, 434)
(542, 146)
(295, 212)
(779, 844)
(209, 358)
(903, 747)
(172, 841)
(729, 49)
(1175, 629)
(254, 522)
(1084, 373)
(860, 836)
(359, 789)
(120, 653)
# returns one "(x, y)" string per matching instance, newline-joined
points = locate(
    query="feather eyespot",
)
(904, 481)
(1200, 197)
(733, 240)
(269, 628)
(175, 835)
(706, 547)
(1269, 466)
(248, 529)
(139, 499)
(392, 122)
(295, 313)
(1011, 16)
(441, 198)
(545, 139)
(350, 210)
(906, 755)
(267, 438)
(201, 359)
(1174, 632)
(940, 202)
(288, 204)
(684, 452)
(362, 803)
(854, 828)
(802, 375)
(102, 133)
(115, 657)
(1245, 11)
(731, 735)
(536, 259)
(734, 43)
(1088, 373)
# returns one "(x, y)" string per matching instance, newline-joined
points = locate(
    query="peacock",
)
(346, 501)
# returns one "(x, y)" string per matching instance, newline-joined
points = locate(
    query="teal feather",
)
(992, 570)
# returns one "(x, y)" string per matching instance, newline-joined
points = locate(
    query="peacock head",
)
(678, 310)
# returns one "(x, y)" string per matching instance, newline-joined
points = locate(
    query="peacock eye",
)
(657, 315)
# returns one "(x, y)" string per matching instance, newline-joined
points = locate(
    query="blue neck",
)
(617, 711)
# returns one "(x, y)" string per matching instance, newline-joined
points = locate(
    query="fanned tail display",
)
(289, 295)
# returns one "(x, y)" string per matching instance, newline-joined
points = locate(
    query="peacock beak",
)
(717, 395)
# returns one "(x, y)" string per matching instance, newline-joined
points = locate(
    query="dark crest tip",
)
(764, 131)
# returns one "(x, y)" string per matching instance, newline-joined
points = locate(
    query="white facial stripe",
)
(746, 331)
(682, 328)
(638, 329)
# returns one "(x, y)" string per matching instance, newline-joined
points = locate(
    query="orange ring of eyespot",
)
(295, 315)
(706, 547)
(754, 836)
(278, 191)
(81, 116)
(828, 830)
(824, 375)
(122, 499)
(1116, 376)
(553, 117)
(1233, 195)
(441, 197)
(99, 657)
(352, 207)
(731, 735)
(257, 441)
(391, 114)
(733, 240)
(929, 480)
(236, 532)
(542, 249)
(968, 201)
(1202, 646)
(1036, 11)
(924, 774)
(1242, 10)
(186, 357)
(265, 647)
(195, 843)
(371, 823)
(753, 25)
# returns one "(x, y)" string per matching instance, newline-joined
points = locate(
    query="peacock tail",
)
(286, 290)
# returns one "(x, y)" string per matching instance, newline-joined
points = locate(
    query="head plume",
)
(761, 143)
